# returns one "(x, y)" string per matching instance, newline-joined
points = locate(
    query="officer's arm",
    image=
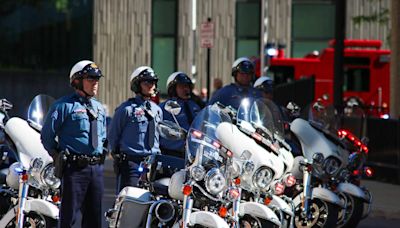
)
(116, 127)
(52, 125)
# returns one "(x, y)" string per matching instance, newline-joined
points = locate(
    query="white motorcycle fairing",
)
(353, 190)
(27, 141)
(207, 219)
(322, 194)
(281, 204)
(237, 142)
(258, 210)
(312, 141)
(37, 205)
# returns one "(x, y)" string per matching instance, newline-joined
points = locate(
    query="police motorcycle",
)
(261, 121)
(149, 203)
(357, 199)
(324, 167)
(29, 198)
(211, 183)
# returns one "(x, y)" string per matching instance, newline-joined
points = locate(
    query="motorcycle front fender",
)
(8, 217)
(322, 194)
(282, 205)
(353, 190)
(207, 219)
(258, 210)
(42, 207)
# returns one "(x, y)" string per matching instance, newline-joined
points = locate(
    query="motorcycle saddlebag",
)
(132, 207)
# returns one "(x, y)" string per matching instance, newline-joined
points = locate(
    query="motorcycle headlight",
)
(331, 166)
(263, 177)
(197, 172)
(215, 181)
(48, 177)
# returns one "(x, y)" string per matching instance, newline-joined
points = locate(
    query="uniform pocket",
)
(80, 121)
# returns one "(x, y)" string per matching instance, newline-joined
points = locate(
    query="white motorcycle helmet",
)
(264, 83)
(83, 68)
(177, 78)
(242, 64)
(141, 74)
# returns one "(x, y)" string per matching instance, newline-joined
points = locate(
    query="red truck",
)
(366, 73)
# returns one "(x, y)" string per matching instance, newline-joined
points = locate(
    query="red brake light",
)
(256, 136)
(197, 134)
(368, 171)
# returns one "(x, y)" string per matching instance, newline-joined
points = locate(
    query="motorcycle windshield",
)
(324, 118)
(202, 143)
(262, 114)
(38, 109)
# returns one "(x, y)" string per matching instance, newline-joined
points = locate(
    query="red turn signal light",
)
(369, 172)
(187, 190)
(223, 212)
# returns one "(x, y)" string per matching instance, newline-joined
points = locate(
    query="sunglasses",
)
(246, 68)
(91, 78)
(149, 82)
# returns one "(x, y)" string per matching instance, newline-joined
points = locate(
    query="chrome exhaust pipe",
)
(165, 212)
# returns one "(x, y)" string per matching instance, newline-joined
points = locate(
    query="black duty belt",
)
(85, 160)
(134, 158)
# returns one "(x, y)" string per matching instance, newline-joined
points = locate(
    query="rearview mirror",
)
(170, 130)
(172, 107)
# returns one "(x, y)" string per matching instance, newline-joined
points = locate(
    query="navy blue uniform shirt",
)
(233, 94)
(183, 119)
(129, 127)
(68, 119)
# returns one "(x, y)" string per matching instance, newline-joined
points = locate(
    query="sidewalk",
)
(385, 197)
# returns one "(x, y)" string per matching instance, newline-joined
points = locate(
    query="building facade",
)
(50, 36)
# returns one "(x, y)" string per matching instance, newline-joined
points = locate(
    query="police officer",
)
(78, 120)
(133, 134)
(179, 87)
(232, 94)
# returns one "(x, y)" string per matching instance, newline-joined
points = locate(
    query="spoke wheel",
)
(323, 214)
(351, 215)
(34, 220)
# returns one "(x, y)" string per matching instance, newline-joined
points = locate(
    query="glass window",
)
(43, 35)
(164, 30)
(248, 28)
(356, 79)
(313, 25)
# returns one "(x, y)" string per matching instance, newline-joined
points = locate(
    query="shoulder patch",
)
(54, 115)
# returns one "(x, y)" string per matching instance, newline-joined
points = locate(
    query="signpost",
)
(207, 41)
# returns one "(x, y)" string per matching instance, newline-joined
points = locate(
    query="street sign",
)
(207, 34)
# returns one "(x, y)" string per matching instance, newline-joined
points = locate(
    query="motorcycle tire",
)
(325, 214)
(248, 221)
(353, 212)
(33, 219)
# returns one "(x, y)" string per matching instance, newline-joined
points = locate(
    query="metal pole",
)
(340, 16)
(264, 34)
(208, 69)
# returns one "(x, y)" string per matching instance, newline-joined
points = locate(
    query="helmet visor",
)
(91, 71)
(246, 67)
(148, 76)
(183, 79)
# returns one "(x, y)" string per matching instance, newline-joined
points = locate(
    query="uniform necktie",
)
(93, 124)
(188, 112)
(151, 127)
